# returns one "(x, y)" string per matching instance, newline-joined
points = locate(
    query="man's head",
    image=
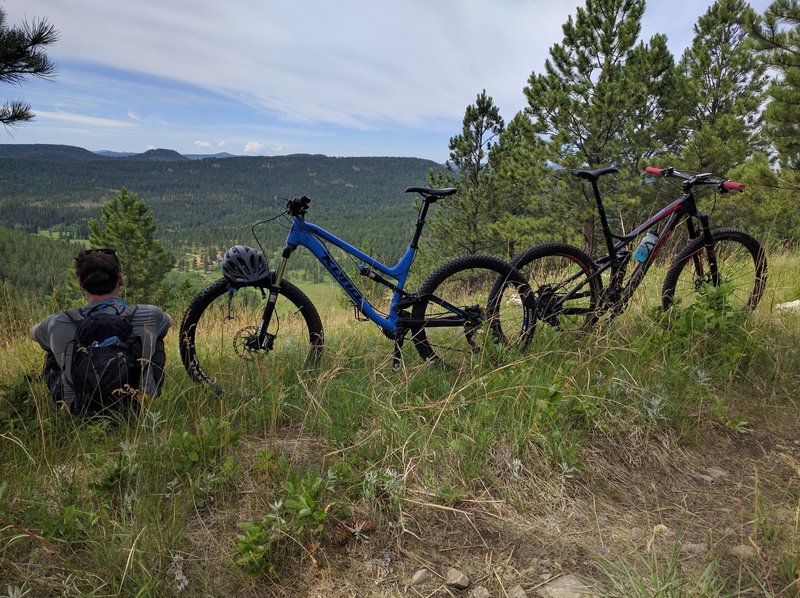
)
(99, 271)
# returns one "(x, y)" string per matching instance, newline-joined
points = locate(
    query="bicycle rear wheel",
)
(219, 322)
(565, 294)
(741, 266)
(460, 318)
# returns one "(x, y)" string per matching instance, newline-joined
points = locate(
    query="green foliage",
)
(722, 88)
(777, 35)
(660, 574)
(35, 263)
(604, 99)
(527, 206)
(188, 451)
(21, 55)
(296, 520)
(127, 226)
(462, 223)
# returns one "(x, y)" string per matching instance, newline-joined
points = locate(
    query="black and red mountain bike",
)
(568, 285)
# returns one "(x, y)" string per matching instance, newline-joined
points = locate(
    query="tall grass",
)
(242, 493)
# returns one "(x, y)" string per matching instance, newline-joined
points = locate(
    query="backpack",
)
(106, 366)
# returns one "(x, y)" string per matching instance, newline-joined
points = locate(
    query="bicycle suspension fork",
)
(266, 340)
(708, 244)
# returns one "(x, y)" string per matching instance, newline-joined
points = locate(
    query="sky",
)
(277, 77)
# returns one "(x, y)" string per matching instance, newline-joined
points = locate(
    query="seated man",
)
(61, 336)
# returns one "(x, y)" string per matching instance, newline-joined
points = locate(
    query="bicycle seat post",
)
(592, 176)
(603, 220)
(429, 196)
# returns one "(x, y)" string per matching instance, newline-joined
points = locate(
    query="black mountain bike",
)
(567, 283)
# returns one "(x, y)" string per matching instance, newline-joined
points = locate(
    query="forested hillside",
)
(211, 203)
(33, 262)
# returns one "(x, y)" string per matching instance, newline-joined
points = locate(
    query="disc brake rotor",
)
(245, 341)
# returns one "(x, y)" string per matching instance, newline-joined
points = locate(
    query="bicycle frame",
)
(306, 234)
(396, 323)
(617, 294)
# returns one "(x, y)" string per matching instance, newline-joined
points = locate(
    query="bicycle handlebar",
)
(733, 185)
(696, 179)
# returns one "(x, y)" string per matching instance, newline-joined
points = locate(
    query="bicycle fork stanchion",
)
(711, 252)
(264, 339)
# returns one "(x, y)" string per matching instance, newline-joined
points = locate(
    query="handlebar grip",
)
(654, 170)
(733, 185)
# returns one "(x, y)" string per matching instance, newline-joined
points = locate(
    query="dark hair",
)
(98, 270)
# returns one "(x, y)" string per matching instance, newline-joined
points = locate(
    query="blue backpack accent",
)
(106, 366)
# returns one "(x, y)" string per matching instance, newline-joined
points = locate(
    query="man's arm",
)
(40, 333)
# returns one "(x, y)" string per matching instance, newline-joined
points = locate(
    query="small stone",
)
(789, 306)
(567, 586)
(456, 579)
(603, 520)
(690, 548)
(479, 592)
(517, 592)
(419, 577)
(546, 576)
(717, 472)
(744, 552)
(638, 534)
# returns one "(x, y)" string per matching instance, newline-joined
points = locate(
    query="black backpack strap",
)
(129, 317)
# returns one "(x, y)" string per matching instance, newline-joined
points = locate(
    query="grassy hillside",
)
(653, 456)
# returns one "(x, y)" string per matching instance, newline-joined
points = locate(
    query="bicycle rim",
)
(489, 329)
(219, 328)
(564, 296)
(741, 265)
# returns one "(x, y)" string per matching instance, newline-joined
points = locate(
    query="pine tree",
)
(525, 190)
(22, 55)
(127, 226)
(723, 88)
(604, 98)
(461, 223)
(777, 35)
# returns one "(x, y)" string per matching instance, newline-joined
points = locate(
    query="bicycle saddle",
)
(593, 175)
(432, 194)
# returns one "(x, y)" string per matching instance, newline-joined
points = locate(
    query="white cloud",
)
(81, 119)
(202, 144)
(252, 147)
(347, 63)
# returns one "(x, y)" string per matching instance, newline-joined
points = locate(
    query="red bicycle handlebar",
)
(696, 180)
(733, 185)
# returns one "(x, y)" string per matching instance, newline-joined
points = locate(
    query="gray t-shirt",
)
(57, 332)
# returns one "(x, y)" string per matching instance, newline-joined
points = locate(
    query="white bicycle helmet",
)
(242, 264)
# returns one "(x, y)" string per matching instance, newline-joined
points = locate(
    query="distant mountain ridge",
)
(41, 151)
(44, 151)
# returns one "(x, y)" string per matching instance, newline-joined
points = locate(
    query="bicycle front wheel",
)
(459, 318)
(741, 266)
(219, 327)
(565, 294)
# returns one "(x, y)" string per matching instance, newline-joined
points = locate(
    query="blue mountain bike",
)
(231, 330)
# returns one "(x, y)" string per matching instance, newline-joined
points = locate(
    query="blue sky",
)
(268, 77)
